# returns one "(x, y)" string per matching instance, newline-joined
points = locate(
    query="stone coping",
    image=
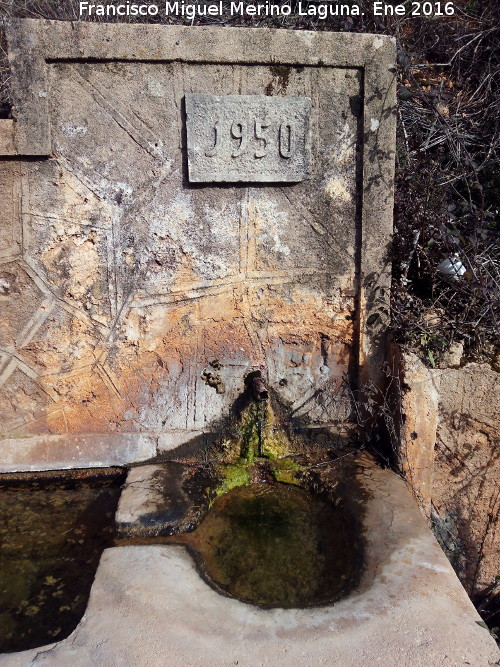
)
(33, 43)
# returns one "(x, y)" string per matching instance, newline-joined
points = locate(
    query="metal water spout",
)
(259, 389)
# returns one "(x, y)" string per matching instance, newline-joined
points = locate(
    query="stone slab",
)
(154, 501)
(60, 452)
(245, 138)
(149, 607)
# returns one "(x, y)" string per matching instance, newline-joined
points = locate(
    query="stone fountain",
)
(184, 207)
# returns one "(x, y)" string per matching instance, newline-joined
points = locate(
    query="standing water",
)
(275, 545)
(53, 530)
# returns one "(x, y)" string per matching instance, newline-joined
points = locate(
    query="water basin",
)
(276, 545)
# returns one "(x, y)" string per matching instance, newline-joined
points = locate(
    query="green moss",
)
(256, 436)
(287, 464)
(288, 471)
(249, 432)
(275, 444)
(287, 477)
(231, 477)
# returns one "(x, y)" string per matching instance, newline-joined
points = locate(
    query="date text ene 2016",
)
(416, 9)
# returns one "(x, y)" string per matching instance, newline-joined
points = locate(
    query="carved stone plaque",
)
(235, 138)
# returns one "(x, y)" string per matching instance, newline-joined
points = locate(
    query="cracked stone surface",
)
(148, 606)
(147, 280)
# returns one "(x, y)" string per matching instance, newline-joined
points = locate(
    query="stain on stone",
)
(373, 318)
(213, 380)
(275, 545)
(8, 283)
(144, 295)
(280, 80)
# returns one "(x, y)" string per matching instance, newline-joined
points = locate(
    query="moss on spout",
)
(258, 439)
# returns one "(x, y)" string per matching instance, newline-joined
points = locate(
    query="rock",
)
(452, 358)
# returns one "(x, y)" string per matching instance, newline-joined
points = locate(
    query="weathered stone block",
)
(237, 138)
(419, 404)
(133, 281)
(449, 452)
(155, 501)
(466, 478)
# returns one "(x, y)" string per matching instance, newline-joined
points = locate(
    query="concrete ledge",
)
(59, 452)
(82, 40)
(154, 501)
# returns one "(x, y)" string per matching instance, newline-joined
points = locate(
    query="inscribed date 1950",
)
(245, 138)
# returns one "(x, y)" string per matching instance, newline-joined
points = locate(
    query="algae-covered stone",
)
(231, 477)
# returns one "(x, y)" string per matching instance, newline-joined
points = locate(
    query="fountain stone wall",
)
(181, 206)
